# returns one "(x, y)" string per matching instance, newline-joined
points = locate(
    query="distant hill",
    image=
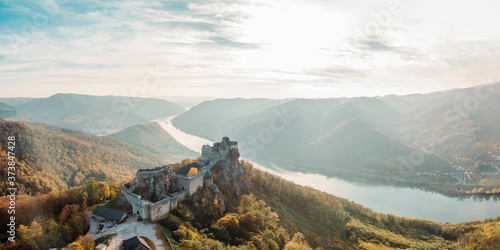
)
(53, 158)
(310, 134)
(363, 133)
(15, 101)
(8, 112)
(156, 140)
(461, 125)
(186, 101)
(356, 145)
(215, 119)
(372, 110)
(96, 114)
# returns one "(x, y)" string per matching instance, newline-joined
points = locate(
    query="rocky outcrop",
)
(154, 182)
(207, 204)
(228, 173)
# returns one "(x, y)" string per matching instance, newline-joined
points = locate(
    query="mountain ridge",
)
(282, 130)
(96, 114)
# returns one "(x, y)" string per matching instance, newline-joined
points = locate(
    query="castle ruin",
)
(155, 192)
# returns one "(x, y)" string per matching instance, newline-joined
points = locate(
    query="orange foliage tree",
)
(192, 171)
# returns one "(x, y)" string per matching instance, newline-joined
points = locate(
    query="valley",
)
(364, 156)
(397, 140)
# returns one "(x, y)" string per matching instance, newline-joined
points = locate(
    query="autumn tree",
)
(298, 242)
(83, 243)
(103, 190)
(73, 219)
(192, 171)
(186, 162)
(92, 190)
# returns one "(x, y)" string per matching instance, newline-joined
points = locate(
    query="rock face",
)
(228, 173)
(155, 181)
(208, 203)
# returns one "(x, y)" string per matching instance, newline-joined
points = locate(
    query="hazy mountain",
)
(186, 101)
(211, 119)
(51, 158)
(97, 114)
(8, 112)
(14, 101)
(156, 140)
(359, 133)
(371, 110)
(357, 145)
(460, 125)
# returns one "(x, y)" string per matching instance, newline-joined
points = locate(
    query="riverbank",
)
(437, 183)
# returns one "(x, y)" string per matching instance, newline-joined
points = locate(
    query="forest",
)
(57, 219)
(316, 220)
(278, 214)
(50, 158)
(326, 220)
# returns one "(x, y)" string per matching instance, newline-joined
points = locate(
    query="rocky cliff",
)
(228, 182)
(228, 173)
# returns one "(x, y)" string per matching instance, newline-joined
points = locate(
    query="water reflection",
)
(190, 141)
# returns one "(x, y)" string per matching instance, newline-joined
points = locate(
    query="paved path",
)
(129, 229)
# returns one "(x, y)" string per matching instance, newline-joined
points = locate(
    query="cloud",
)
(252, 46)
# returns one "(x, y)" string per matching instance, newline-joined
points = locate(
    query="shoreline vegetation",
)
(440, 188)
(425, 183)
(365, 228)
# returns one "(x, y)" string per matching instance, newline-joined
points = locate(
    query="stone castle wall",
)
(159, 210)
(139, 206)
(153, 210)
(162, 181)
(196, 182)
(131, 197)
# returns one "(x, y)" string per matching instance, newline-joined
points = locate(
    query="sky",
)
(250, 48)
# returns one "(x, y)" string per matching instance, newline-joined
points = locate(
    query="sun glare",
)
(296, 36)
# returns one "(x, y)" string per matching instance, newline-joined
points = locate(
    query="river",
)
(400, 201)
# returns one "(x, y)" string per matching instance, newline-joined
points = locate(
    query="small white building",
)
(101, 247)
